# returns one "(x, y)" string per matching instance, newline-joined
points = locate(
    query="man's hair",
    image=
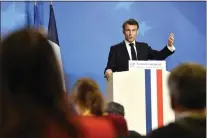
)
(130, 22)
(115, 108)
(187, 83)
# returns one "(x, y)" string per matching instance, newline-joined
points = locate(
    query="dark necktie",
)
(133, 53)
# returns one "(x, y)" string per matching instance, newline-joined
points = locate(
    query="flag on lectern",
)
(156, 99)
(144, 95)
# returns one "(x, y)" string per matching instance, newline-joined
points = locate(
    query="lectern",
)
(144, 94)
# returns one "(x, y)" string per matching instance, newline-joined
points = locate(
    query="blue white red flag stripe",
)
(153, 99)
(148, 100)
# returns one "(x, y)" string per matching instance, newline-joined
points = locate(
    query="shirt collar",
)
(190, 114)
(127, 43)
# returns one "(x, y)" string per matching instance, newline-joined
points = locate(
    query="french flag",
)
(157, 103)
(144, 95)
(54, 41)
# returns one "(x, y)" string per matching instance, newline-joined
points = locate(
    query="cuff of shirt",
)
(172, 48)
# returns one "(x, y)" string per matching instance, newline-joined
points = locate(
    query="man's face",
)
(130, 32)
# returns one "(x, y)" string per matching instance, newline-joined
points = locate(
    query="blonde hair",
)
(87, 94)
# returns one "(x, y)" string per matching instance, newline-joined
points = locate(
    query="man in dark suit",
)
(130, 49)
(187, 91)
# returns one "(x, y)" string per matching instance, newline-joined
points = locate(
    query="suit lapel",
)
(138, 50)
(124, 50)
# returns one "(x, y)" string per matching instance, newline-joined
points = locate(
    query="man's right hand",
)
(108, 73)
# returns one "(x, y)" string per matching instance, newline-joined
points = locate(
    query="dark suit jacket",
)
(184, 128)
(118, 56)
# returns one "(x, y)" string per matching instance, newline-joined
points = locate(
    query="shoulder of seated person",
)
(165, 131)
(89, 120)
(114, 116)
(96, 127)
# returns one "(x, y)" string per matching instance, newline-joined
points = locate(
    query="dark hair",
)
(32, 94)
(87, 94)
(187, 83)
(130, 22)
(115, 108)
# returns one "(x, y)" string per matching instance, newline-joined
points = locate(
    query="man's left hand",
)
(170, 40)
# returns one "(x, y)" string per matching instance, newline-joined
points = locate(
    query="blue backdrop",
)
(88, 29)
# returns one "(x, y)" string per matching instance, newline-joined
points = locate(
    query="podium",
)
(144, 94)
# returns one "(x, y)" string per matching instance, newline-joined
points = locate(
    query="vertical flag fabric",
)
(52, 29)
(28, 20)
(37, 20)
(56, 49)
(54, 41)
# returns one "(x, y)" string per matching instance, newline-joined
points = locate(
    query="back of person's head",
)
(115, 108)
(87, 96)
(187, 85)
(134, 134)
(32, 93)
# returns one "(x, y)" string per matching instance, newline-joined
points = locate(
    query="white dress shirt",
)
(172, 48)
(129, 48)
